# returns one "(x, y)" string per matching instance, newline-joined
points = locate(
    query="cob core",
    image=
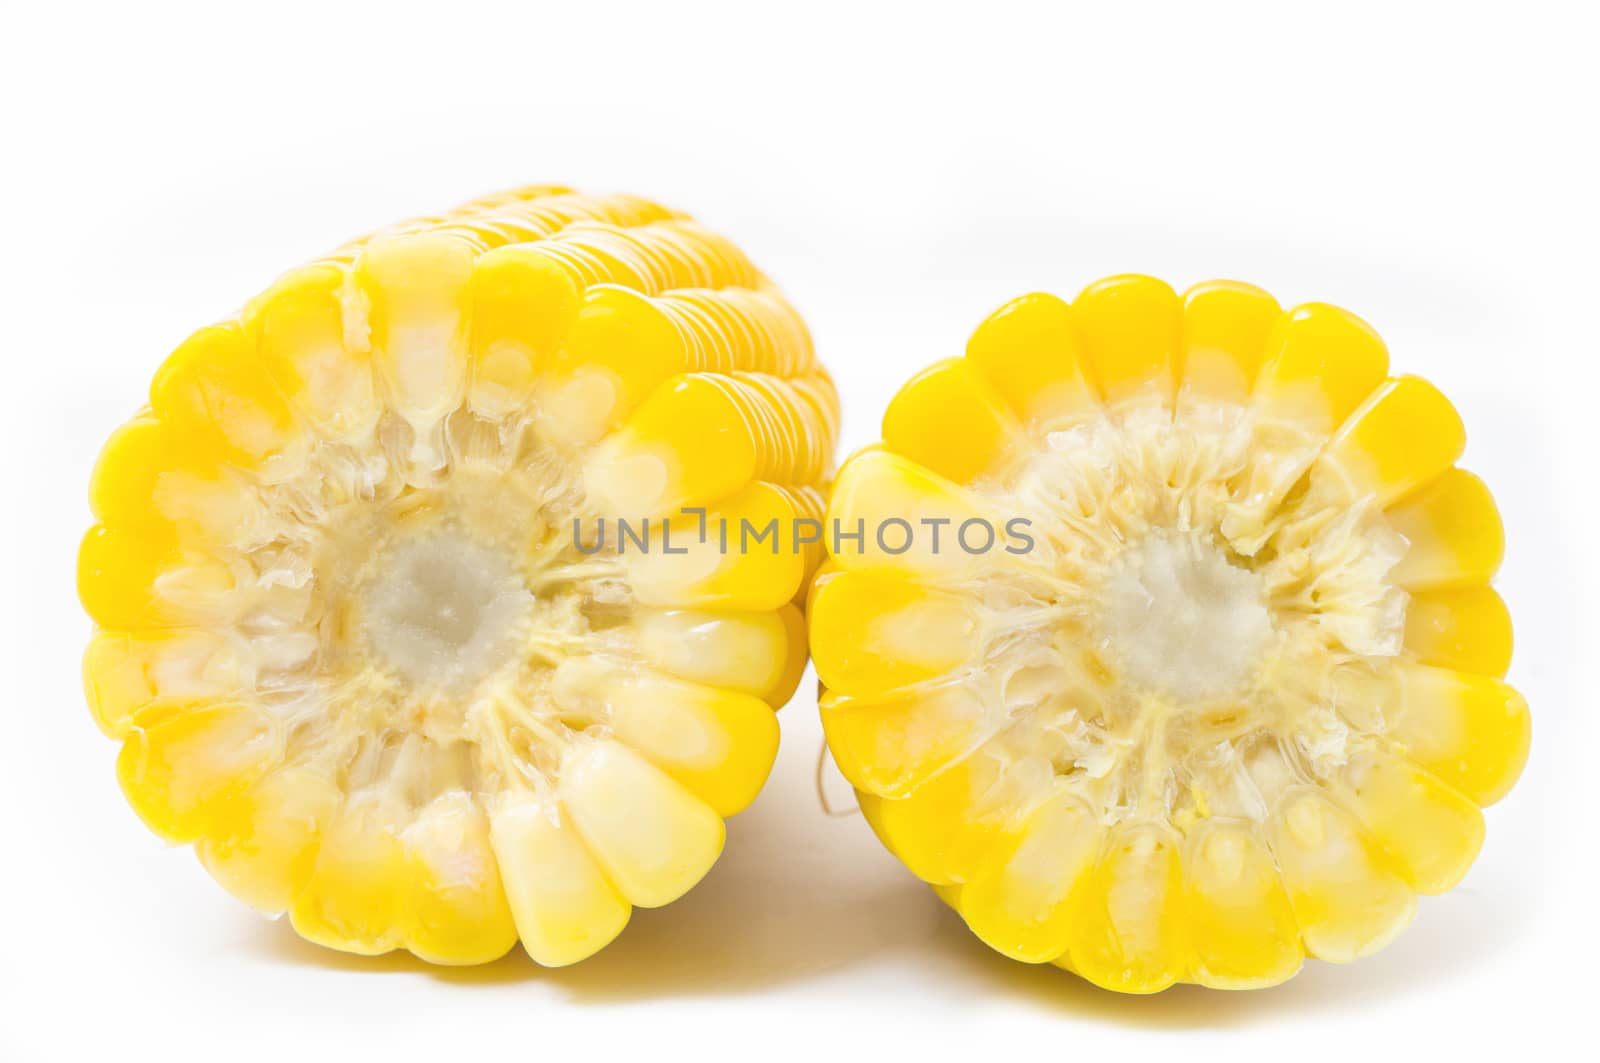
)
(355, 631)
(1242, 700)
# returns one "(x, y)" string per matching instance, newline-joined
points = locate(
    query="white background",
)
(901, 173)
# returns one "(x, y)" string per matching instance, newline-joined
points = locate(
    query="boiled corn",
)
(1231, 696)
(357, 628)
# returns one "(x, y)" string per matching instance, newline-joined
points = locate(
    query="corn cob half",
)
(1213, 679)
(366, 627)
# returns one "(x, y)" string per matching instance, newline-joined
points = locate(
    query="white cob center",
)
(443, 611)
(424, 609)
(1183, 620)
(1185, 641)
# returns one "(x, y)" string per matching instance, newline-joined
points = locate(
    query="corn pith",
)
(356, 629)
(1239, 703)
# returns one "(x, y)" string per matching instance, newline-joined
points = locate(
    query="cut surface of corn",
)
(367, 626)
(1225, 691)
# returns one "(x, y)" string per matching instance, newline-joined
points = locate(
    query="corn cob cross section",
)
(364, 628)
(1231, 695)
